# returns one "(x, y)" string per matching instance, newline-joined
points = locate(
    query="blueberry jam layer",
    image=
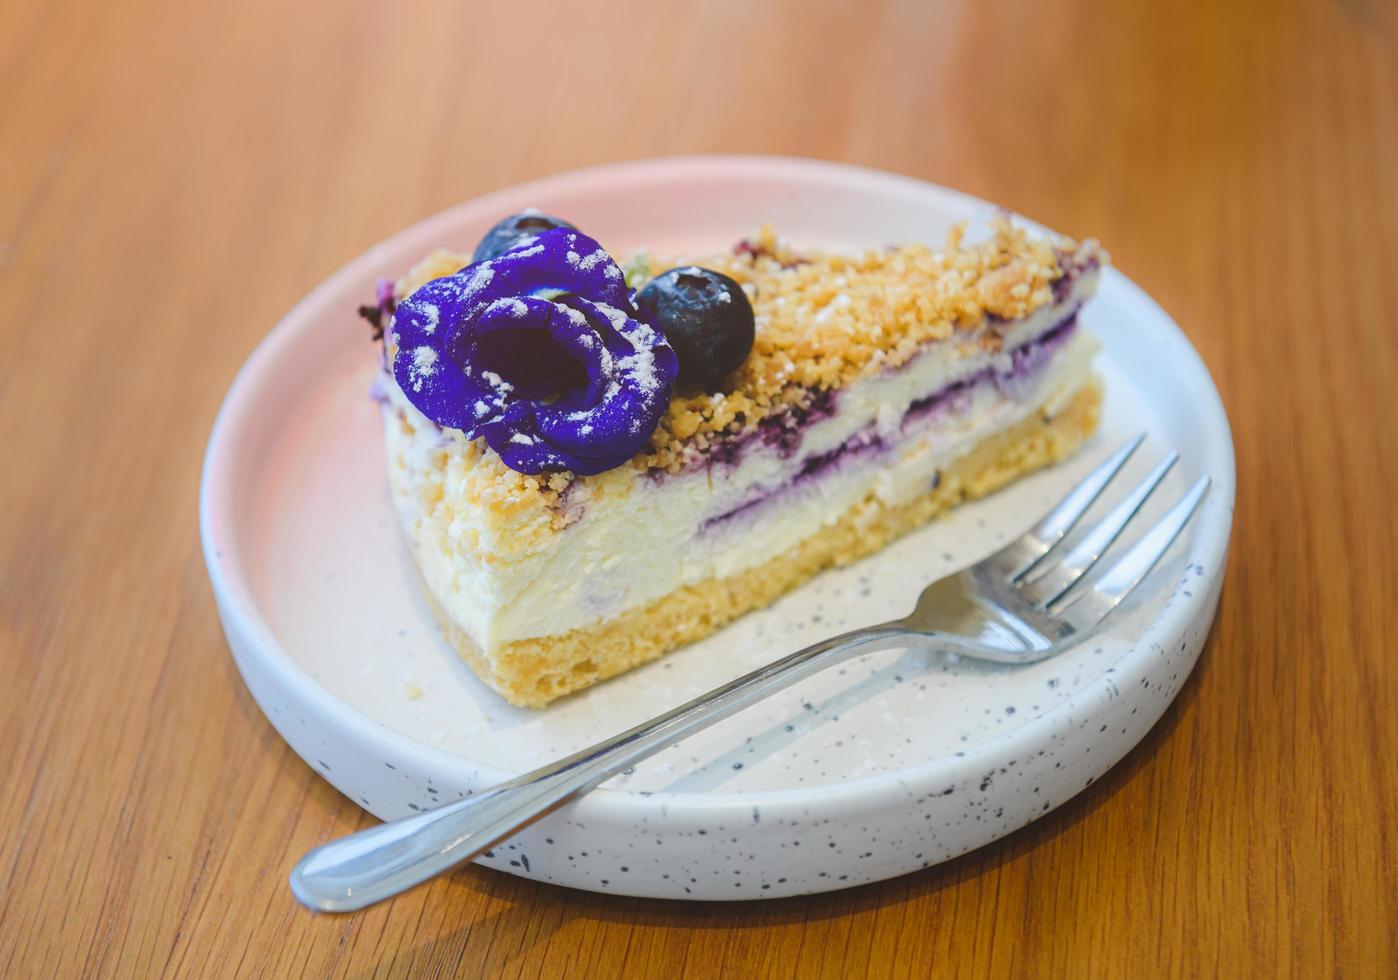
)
(1014, 382)
(784, 432)
(1025, 363)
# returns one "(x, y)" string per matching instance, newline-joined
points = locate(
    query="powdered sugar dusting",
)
(423, 367)
(590, 262)
(498, 383)
(431, 317)
(514, 307)
(478, 281)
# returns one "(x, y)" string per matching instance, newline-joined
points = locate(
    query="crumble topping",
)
(823, 321)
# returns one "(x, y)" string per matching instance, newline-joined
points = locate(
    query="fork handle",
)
(374, 864)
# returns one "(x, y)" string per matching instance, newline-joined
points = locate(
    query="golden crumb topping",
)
(823, 321)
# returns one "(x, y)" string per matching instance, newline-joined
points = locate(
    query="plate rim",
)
(235, 598)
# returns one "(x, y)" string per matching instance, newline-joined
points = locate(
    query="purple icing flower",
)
(539, 352)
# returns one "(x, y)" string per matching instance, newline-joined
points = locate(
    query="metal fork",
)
(1030, 600)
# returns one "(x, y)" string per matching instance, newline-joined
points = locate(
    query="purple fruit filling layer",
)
(1026, 363)
(785, 431)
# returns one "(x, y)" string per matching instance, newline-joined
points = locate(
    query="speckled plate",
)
(893, 763)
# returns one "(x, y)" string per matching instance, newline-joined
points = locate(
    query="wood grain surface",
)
(174, 176)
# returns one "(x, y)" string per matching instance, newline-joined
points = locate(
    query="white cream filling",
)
(631, 550)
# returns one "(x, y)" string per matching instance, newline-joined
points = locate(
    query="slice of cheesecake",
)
(883, 387)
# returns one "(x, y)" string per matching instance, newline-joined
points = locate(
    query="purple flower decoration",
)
(540, 352)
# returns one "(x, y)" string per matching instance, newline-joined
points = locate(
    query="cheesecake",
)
(595, 463)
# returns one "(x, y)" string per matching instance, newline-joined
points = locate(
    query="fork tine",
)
(1059, 521)
(1117, 582)
(1087, 552)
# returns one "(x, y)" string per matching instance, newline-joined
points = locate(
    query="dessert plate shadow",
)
(893, 763)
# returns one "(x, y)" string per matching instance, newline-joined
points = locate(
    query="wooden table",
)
(174, 176)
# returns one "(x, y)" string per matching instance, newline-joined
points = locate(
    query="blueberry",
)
(509, 232)
(704, 315)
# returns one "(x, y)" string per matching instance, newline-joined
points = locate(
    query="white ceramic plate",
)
(892, 763)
